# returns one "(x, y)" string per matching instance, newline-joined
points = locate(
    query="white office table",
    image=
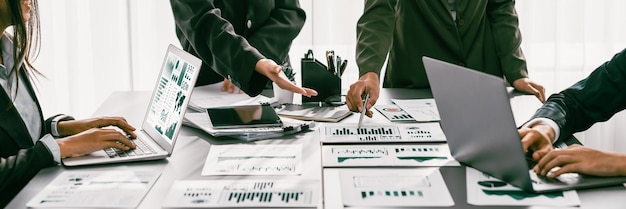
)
(190, 152)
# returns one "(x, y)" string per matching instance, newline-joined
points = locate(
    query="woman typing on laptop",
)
(27, 141)
(593, 99)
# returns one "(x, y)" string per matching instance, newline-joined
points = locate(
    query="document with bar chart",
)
(243, 159)
(381, 133)
(422, 110)
(483, 189)
(394, 113)
(243, 193)
(387, 155)
(394, 188)
(96, 189)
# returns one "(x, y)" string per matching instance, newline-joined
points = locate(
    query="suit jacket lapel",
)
(12, 121)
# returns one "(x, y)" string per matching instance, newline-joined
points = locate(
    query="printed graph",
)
(394, 187)
(394, 113)
(387, 155)
(483, 189)
(253, 160)
(246, 193)
(373, 133)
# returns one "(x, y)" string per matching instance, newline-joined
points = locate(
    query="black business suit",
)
(593, 99)
(20, 158)
(484, 37)
(230, 36)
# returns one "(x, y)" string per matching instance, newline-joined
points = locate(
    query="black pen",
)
(367, 97)
(338, 66)
(343, 67)
(330, 58)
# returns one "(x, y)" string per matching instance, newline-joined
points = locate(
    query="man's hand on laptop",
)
(583, 160)
(537, 139)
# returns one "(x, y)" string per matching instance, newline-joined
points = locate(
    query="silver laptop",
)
(164, 117)
(477, 120)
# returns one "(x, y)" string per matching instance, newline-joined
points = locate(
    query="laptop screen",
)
(171, 94)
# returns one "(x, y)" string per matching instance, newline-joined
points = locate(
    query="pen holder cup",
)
(316, 76)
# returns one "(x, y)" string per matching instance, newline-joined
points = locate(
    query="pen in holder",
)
(317, 76)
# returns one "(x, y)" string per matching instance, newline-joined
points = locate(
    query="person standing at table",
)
(27, 141)
(240, 41)
(478, 34)
(594, 99)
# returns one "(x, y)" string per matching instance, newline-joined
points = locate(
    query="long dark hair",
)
(25, 38)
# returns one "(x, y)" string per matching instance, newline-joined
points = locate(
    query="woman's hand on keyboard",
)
(71, 127)
(93, 140)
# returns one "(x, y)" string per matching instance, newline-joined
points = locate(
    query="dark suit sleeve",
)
(374, 32)
(214, 40)
(593, 99)
(273, 39)
(17, 170)
(508, 39)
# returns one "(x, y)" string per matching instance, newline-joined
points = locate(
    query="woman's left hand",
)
(71, 127)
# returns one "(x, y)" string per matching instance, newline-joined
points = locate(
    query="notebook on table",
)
(163, 118)
(477, 120)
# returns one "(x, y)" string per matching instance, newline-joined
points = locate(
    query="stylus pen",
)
(367, 97)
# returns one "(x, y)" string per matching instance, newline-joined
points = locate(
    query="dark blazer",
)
(20, 158)
(593, 99)
(230, 36)
(484, 37)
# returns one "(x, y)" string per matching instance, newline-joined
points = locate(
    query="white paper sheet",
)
(96, 189)
(387, 155)
(422, 110)
(242, 193)
(394, 187)
(244, 159)
(211, 95)
(483, 189)
(382, 133)
(394, 113)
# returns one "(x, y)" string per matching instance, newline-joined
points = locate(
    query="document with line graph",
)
(373, 155)
(244, 159)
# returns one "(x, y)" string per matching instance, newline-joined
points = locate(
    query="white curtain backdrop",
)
(93, 48)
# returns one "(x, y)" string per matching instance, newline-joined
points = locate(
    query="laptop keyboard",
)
(142, 149)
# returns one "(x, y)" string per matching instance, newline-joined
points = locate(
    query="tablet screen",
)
(248, 116)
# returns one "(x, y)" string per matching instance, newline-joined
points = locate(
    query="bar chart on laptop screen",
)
(247, 193)
(414, 132)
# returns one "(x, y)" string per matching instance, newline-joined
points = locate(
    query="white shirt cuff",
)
(52, 145)
(55, 122)
(544, 121)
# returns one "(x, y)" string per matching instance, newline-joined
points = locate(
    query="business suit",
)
(230, 36)
(20, 158)
(593, 99)
(484, 37)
